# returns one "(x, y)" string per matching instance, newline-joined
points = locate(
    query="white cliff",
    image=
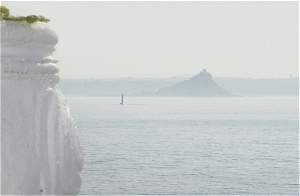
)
(40, 150)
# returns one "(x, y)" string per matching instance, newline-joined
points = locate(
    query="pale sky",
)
(163, 39)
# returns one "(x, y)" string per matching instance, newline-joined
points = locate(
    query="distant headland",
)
(202, 85)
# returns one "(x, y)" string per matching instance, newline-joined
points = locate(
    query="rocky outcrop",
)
(40, 150)
(201, 84)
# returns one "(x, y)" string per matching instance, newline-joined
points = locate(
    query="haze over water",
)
(157, 145)
(171, 145)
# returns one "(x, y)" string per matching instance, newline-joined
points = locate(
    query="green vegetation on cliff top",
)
(5, 15)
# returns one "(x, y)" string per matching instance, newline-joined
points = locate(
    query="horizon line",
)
(169, 77)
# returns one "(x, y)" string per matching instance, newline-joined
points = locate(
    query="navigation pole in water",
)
(122, 99)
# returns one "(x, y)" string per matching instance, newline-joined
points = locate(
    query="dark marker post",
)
(122, 99)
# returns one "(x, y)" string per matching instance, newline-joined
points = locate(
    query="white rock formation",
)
(40, 151)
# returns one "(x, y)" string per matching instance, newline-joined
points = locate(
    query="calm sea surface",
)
(155, 145)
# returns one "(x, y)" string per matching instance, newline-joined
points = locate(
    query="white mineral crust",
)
(40, 152)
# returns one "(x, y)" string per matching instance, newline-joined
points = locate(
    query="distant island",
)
(202, 85)
(149, 86)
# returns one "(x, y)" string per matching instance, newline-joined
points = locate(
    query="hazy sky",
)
(162, 39)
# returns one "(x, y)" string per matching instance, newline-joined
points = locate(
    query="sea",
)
(188, 145)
